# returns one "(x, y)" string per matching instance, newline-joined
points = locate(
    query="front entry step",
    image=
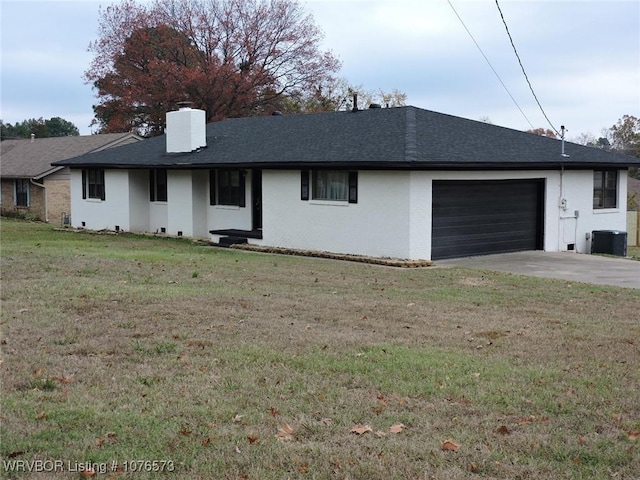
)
(228, 241)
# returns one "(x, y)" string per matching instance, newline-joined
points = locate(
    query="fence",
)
(633, 229)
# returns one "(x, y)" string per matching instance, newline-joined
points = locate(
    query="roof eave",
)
(355, 165)
(46, 173)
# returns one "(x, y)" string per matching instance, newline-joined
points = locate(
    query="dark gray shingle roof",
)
(403, 137)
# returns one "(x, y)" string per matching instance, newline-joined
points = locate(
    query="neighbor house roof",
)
(401, 137)
(32, 158)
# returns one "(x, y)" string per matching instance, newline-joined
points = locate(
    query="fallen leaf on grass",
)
(361, 429)
(253, 439)
(327, 421)
(633, 435)
(503, 430)
(274, 412)
(100, 441)
(397, 428)
(450, 446)
(532, 419)
(380, 434)
(41, 416)
(285, 432)
(88, 473)
(206, 442)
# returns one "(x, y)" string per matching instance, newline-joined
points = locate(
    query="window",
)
(22, 192)
(157, 185)
(93, 183)
(605, 188)
(333, 185)
(227, 187)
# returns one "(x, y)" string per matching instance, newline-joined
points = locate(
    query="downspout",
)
(46, 208)
(561, 203)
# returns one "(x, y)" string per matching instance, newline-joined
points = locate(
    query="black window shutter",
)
(353, 187)
(304, 185)
(162, 185)
(152, 183)
(242, 202)
(84, 184)
(104, 187)
(212, 187)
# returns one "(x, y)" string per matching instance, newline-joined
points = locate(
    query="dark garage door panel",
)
(483, 217)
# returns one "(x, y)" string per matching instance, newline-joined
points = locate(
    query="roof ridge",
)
(410, 136)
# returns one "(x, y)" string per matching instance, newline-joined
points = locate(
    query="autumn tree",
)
(228, 57)
(626, 135)
(338, 94)
(543, 132)
(155, 64)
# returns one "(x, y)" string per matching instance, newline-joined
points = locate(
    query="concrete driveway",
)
(576, 267)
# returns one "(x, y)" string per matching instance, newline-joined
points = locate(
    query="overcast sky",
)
(582, 57)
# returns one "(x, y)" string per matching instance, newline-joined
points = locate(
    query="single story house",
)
(397, 182)
(28, 182)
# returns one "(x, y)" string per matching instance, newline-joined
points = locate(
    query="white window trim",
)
(330, 203)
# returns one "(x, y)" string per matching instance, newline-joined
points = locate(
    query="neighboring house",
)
(395, 182)
(28, 182)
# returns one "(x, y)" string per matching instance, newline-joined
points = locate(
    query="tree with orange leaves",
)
(228, 57)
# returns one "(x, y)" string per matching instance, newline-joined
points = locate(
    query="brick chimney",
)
(186, 129)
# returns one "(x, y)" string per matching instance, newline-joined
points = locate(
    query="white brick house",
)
(399, 182)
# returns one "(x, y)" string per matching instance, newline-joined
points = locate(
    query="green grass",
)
(124, 347)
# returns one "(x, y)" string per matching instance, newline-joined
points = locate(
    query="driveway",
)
(571, 266)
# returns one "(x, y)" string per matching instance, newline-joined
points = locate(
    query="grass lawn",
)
(215, 363)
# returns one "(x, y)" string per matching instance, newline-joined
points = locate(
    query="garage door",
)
(484, 217)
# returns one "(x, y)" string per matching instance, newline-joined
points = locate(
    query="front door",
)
(256, 195)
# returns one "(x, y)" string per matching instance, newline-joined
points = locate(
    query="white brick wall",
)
(391, 219)
(378, 225)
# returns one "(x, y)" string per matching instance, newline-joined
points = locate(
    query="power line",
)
(489, 63)
(523, 71)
